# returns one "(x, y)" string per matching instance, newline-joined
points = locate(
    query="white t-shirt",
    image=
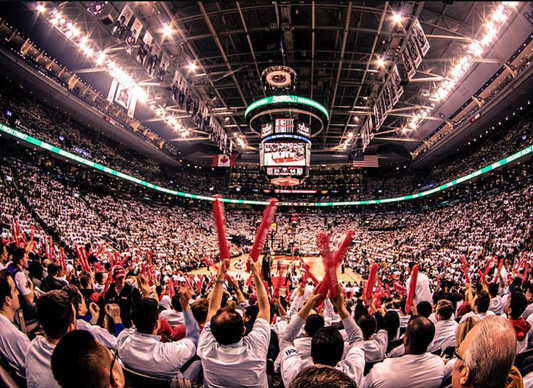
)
(146, 353)
(444, 335)
(13, 345)
(99, 333)
(473, 314)
(21, 281)
(413, 371)
(242, 364)
(38, 360)
(422, 290)
(173, 317)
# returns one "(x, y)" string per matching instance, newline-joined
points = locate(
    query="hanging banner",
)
(144, 48)
(412, 47)
(112, 91)
(408, 63)
(153, 60)
(163, 67)
(133, 35)
(122, 22)
(420, 37)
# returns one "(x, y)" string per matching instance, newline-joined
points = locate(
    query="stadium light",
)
(167, 30)
(493, 24)
(380, 62)
(41, 8)
(192, 66)
(397, 17)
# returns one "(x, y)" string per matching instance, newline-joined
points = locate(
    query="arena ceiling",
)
(335, 48)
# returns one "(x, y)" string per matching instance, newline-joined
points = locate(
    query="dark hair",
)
(55, 313)
(144, 315)
(313, 323)
(53, 269)
(17, 255)
(518, 305)
(176, 305)
(85, 280)
(322, 377)
(74, 295)
(445, 309)
(412, 264)
(5, 288)
(99, 277)
(424, 308)
(327, 346)
(200, 309)
(227, 326)
(392, 320)
(493, 289)
(79, 361)
(482, 301)
(251, 312)
(368, 325)
(419, 334)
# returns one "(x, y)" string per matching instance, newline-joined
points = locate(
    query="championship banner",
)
(408, 63)
(397, 88)
(420, 37)
(133, 35)
(412, 47)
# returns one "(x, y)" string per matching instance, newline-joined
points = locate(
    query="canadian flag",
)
(224, 160)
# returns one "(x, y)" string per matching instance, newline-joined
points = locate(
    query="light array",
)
(101, 60)
(476, 49)
(78, 159)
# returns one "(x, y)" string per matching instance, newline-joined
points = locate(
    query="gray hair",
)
(491, 353)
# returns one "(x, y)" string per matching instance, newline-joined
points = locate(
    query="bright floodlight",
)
(397, 18)
(192, 66)
(167, 30)
(41, 8)
(380, 62)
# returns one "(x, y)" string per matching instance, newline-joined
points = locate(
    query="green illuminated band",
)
(286, 99)
(96, 166)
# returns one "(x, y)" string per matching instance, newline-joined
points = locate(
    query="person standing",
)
(125, 295)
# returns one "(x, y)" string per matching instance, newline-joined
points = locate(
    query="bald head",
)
(487, 354)
(419, 335)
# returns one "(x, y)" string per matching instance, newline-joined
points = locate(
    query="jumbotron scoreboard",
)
(286, 125)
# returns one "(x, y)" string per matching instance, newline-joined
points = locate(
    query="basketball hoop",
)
(285, 181)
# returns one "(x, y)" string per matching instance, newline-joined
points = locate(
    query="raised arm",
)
(192, 331)
(216, 295)
(262, 296)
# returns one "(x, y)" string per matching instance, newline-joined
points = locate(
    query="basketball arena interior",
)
(266, 194)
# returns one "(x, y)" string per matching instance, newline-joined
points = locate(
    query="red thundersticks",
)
(464, 264)
(220, 224)
(412, 287)
(329, 266)
(371, 281)
(262, 232)
(341, 251)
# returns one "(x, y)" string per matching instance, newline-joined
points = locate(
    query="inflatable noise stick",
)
(262, 232)
(412, 287)
(220, 224)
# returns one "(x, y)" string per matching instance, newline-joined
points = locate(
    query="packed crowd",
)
(161, 323)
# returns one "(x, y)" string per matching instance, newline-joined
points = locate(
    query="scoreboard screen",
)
(284, 154)
(284, 125)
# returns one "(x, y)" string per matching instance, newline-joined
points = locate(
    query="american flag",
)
(368, 161)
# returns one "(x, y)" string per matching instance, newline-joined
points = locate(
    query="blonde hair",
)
(463, 329)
